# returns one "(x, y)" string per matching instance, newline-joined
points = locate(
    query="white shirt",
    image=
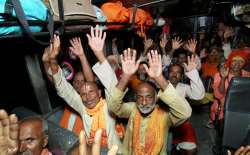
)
(73, 99)
(195, 90)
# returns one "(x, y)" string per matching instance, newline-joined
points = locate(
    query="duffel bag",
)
(22, 11)
(71, 10)
(33, 10)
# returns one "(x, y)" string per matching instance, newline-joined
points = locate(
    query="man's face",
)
(90, 94)
(175, 74)
(237, 64)
(145, 98)
(31, 138)
(78, 81)
(213, 55)
(182, 58)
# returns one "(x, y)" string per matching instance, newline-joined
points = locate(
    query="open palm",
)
(192, 63)
(176, 43)
(129, 63)
(76, 46)
(8, 134)
(224, 71)
(155, 65)
(191, 45)
(96, 39)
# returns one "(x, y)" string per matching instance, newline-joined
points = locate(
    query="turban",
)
(237, 53)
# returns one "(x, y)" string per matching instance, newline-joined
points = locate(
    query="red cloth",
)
(209, 69)
(166, 28)
(184, 133)
(118, 73)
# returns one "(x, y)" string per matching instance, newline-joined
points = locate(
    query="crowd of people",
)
(147, 95)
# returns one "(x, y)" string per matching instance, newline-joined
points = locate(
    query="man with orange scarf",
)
(89, 104)
(148, 122)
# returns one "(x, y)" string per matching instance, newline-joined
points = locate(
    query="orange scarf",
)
(98, 122)
(78, 124)
(120, 129)
(154, 137)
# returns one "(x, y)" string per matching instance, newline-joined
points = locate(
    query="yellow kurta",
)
(178, 111)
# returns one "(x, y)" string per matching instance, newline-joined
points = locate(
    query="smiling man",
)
(86, 100)
(148, 122)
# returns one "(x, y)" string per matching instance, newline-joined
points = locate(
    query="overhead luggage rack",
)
(58, 25)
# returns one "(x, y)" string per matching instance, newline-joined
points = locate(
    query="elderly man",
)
(29, 138)
(34, 143)
(33, 136)
(149, 121)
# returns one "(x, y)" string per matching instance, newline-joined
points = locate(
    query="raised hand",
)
(155, 64)
(163, 41)
(147, 43)
(96, 147)
(192, 63)
(176, 43)
(96, 41)
(8, 134)
(241, 151)
(54, 47)
(76, 46)
(224, 71)
(191, 45)
(129, 63)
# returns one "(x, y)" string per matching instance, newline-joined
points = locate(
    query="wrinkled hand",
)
(96, 41)
(163, 41)
(191, 45)
(54, 47)
(224, 71)
(147, 43)
(192, 63)
(76, 46)
(96, 147)
(45, 57)
(176, 43)
(241, 151)
(155, 65)
(129, 63)
(8, 133)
